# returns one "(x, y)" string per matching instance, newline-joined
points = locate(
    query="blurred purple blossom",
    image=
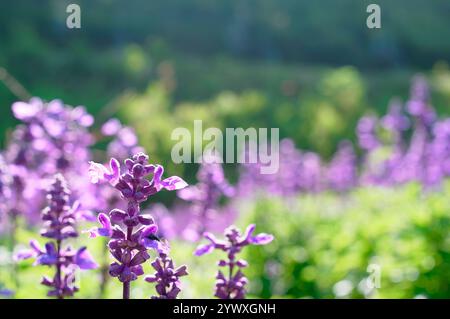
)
(342, 170)
(298, 172)
(125, 141)
(366, 132)
(418, 105)
(53, 138)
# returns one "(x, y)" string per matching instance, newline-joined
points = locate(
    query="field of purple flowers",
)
(81, 213)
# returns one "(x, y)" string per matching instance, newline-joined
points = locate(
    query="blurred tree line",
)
(262, 63)
(322, 32)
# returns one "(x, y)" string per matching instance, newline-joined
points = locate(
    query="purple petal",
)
(242, 263)
(181, 271)
(204, 249)
(219, 244)
(151, 279)
(34, 244)
(93, 232)
(139, 258)
(48, 258)
(113, 176)
(261, 239)
(26, 111)
(115, 269)
(105, 231)
(146, 219)
(249, 232)
(97, 172)
(25, 254)
(211, 238)
(50, 249)
(84, 259)
(86, 120)
(127, 136)
(174, 292)
(103, 219)
(149, 230)
(137, 270)
(174, 183)
(117, 215)
(149, 243)
(163, 247)
(159, 170)
(111, 127)
(189, 193)
(117, 233)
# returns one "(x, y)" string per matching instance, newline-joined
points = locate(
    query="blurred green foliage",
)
(325, 244)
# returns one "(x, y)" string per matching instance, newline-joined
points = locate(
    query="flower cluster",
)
(125, 141)
(424, 158)
(59, 225)
(232, 285)
(298, 172)
(53, 138)
(131, 232)
(166, 277)
(407, 144)
(341, 174)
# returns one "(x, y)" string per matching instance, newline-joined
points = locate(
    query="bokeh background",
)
(310, 68)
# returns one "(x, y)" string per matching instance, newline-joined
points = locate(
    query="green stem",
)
(104, 270)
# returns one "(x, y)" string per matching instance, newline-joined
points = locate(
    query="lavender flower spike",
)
(59, 225)
(166, 277)
(131, 233)
(233, 285)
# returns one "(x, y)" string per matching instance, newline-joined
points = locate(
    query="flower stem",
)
(230, 277)
(126, 290)
(58, 269)
(127, 284)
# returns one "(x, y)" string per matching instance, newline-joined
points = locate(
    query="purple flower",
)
(131, 233)
(167, 276)
(84, 260)
(366, 131)
(298, 172)
(342, 171)
(105, 230)
(59, 225)
(233, 285)
(418, 105)
(395, 120)
(98, 172)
